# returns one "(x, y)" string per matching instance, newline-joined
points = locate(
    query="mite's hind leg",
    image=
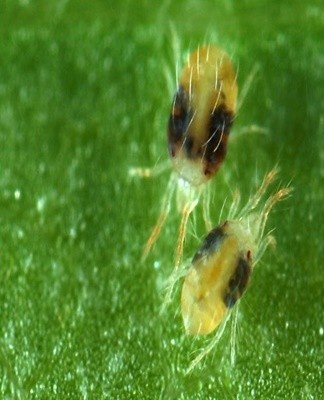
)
(206, 195)
(165, 209)
(185, 213)
(234, 328)
(182, 233)
(187, 200)
(149, 172)
(213, 342)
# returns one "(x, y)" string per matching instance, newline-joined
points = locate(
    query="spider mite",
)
(201, 117)
(221, 269)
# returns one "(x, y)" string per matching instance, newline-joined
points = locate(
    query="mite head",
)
(202, 114)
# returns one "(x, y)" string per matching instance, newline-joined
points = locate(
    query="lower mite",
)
(221, 269)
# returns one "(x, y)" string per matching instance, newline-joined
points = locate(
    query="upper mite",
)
(202, 114)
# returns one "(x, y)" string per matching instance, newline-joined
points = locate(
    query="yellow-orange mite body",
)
(221, 268)
(219, 275)
(202, 114)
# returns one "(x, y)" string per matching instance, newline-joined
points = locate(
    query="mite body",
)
(221, 268)
(219, 275)
(202, 114)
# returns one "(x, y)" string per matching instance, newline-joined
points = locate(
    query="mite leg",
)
(247, 85)
(213, 342)
(251, 129)
(233, 334)
(149, 172)
(255, 199)
(244, 92)
(233, 211)
(178, 256)
(269, 240)
(281, 194)
(165, 209)
(187, 199)
(206, 208)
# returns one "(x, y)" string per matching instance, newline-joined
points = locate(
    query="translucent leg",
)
(234, 334)
(234, 206)
(281, 194)
(165, 209)
(245, 130)
(149, 172)
(206, 208)
(255, 199)
(210, 345)
(155, 232)
(178, 256)
(269, 240)
(182, 234)
(244, 92)
(247, 85)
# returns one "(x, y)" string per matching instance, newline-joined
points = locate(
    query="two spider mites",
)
(202, 113)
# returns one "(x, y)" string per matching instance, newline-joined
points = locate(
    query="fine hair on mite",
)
(221, 268)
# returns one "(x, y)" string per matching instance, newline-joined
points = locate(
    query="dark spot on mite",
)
(207, 172)
(220, 124)
(179, 120)
(238, 282)
(188, 145)
(211, 243)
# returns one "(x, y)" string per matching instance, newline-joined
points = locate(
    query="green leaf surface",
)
(85, 94)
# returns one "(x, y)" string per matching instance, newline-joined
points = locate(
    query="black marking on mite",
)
(179, 119)
(220, 123)
(188, 145)
(238, 282)
(211, 243)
